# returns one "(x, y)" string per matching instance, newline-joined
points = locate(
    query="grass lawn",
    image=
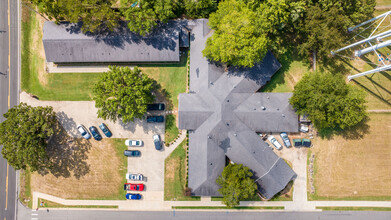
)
(49, 204)
(25, 195)
(175, 175)
(383, 2)
(171, 129)
(223, 207)
(84, 172)
(171, 77)
(35, 80)
(354, 166)
(293, 68)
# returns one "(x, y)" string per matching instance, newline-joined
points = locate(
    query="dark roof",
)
(65, 43)
(222, 113)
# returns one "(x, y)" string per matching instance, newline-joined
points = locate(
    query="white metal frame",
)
(378, 37)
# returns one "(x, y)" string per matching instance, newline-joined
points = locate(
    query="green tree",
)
(199, 8)
(95, 14)
(329, 101)
(236, 39)
(325, 24)
(122, 93)
(236, 184)
(144, 18)
(24, 135)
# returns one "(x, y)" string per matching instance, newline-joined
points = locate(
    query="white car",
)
(134, 143)
(304, 128)
(274, 141)
(83, 131)
(135, 176)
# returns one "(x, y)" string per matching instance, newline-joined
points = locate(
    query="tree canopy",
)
(122, 93)
(325, 24)
(329, 101)
(236, 184)
(24, 135)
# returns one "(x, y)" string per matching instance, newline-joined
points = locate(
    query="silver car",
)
(83, 131)
(274, 141)
(135, 177)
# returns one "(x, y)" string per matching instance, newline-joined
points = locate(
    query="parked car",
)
(157, 142)
(306, 142)
(131, 196)
(155, 119)
(132, 153)
(135, 177)
(95, 133)
(83, 131)
(134, 143)
(133, 187)
(304, 128)
(156, 107)
(105, 130)
(297, 142)
(285, 139)
(274, 141)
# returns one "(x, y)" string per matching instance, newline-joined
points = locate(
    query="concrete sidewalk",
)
(155, 205)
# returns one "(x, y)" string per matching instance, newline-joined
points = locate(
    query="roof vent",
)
(267, 97)
(211, 82)
(263, 108)
(235, 135)
(209, 137)
(227, 100)
(278, 109)
(253, 152)
(227, 124)
(283, 115)
(255, 109)
(211, 164)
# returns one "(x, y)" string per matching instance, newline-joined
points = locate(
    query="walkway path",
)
(172, 147)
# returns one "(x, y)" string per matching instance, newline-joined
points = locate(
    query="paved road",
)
(25, 214)
(9, 96)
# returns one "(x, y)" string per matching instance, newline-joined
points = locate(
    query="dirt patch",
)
(171, 166)
(86, 173)
(355, 166)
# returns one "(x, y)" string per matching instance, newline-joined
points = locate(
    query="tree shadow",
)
(353, 133)
(67, 123)
(67, 155)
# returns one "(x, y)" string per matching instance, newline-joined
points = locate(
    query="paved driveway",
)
(72, 113)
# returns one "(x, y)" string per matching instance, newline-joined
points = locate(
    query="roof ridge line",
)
(269, 169)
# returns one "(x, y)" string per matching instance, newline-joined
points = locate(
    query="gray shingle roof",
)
(222, 113)
(66, 43)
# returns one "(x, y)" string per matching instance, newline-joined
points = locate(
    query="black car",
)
(156, 107)
(105, 130)
(95, 133)
(132, 153)
(155, 119)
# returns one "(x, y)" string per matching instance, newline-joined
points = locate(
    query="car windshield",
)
(82, 130)
(137, 142)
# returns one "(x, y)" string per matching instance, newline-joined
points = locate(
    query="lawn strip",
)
(354, 208)
(224, 207)
(172, 130)
(25, 195)
(119, 144)
(50, 204)
(175, 175)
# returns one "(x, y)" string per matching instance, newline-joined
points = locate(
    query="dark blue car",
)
(155, 119)
(132, 153)
(95, 133)
(133, 196)
(105, 130)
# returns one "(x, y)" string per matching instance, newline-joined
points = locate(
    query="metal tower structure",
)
(374, 43)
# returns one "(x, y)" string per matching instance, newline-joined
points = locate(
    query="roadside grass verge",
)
(224, 207)
(49, 204)
(175, 175)
(25, 195)
(353, 208)
(172, 130)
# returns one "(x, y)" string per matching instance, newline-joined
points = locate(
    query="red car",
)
(133, 187)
